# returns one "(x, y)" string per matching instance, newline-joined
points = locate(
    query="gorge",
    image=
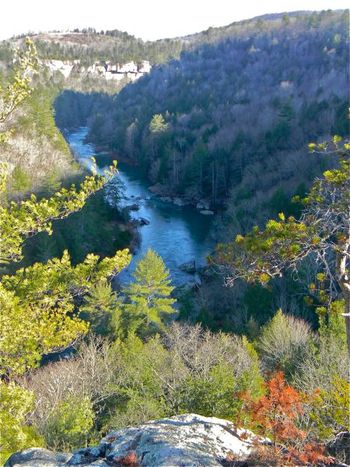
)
(233, 143)
(180, 234)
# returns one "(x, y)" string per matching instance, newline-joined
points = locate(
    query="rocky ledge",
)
(184, 440)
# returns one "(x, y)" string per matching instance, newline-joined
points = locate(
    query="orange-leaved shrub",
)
(277, 414)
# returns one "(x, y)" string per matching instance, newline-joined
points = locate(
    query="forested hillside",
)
(231, 119)
(89, 46)
(248, 115)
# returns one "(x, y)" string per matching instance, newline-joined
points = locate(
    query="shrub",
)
(15, 434)
(69, 423)
(284, 342)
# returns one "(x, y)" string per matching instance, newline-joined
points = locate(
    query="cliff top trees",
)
(322, 232)
(18, 88)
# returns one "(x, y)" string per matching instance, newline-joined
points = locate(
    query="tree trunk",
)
(347, 318)
(344, 282)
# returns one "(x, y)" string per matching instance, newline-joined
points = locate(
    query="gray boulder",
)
(37, 457)
(189, 267)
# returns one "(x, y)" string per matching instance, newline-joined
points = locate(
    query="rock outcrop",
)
(184, 440)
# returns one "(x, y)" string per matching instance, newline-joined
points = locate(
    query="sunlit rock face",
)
(184, 440)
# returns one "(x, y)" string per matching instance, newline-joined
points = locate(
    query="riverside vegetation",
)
(257, 359)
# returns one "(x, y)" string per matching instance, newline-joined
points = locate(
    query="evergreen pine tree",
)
(102, 309)
(148, 297)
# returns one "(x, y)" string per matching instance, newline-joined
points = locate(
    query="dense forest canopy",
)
(239, 111)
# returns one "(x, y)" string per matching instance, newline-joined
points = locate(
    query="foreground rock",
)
(38, 457)
(339, 447)
(184, 440)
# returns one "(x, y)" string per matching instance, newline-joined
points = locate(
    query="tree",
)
(19, 87)
(322, 233)
(69, 423)
(16, 404)
(102, 308)
(38, 307)
(277, 414)
(284, 341)
(278, 410)
(158, 124)
(38, 304)
(149, 295)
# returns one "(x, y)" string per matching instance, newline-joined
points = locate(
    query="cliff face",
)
(184, 440)
(129, 71)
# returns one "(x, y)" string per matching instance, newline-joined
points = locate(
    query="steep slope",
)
(37, 154)
(230, 121)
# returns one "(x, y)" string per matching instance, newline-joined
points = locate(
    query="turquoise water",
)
(178, 233)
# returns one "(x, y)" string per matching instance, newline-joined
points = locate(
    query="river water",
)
(179, 234)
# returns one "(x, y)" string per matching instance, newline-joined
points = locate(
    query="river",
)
(179, 234)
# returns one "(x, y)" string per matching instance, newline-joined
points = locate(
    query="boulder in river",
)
(189, 267)
(166, 199)
(207, 212)
(202, 204)
(143, 221)
(179, 202)
(157, 189)
(132, 207)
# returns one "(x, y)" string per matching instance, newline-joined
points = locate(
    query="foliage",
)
(277, 411)
(149, 301)
(328, 411)
(158, 124)
(15, 434)
(321, 233)
(97, 228)
(217, 145)
(19, 87)
(69, 423)
(283, 343)
(195, 371)
(277, 414)
(20, 179)
(19, 221)
(38, 302)
(102, 309)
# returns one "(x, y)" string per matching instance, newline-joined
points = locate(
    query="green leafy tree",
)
(322, 233)
(149, 295)
(70, 423)
(38, 303)
(19, 87)
(16, 404)
(20, 179)
(329, 409)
